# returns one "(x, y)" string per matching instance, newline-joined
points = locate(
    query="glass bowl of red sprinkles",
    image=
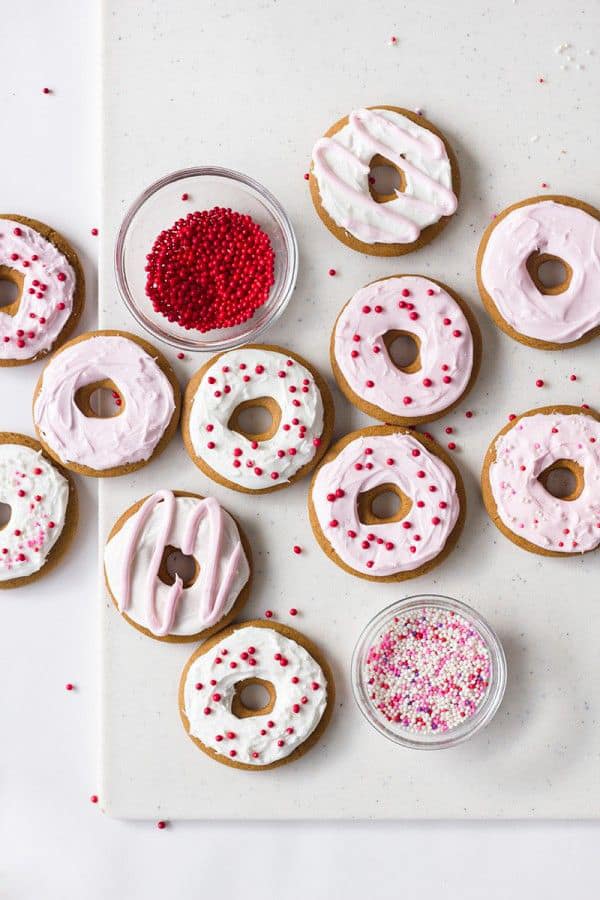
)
(428, 672)
(206, 259)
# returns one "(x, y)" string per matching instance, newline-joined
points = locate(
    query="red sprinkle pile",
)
(212, 269)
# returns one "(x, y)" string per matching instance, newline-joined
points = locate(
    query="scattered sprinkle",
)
(332, 272)
(94, 232)
(161, 824)
(94, 798)
(69, 686)
(297, 549)
(293, 611)
(268, 614)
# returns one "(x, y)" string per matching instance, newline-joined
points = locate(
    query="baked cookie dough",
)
(136, 570)
(257, 375)
(345, 199)
(297, 679)
(147, 399)
(514, 480)
(445, 335)
(355, 472)
(40, 502)
(514, 247)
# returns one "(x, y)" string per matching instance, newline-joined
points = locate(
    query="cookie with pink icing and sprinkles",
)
(519, 479)
(344, 507)
(50, 289)
(445, 339)
(264, 377)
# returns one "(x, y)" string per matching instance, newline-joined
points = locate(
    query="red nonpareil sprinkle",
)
(469, 414)
(451, 445)
(212, 269)
(181, 356)
(69, 686)
(448, 429)
(297, 549)
(544, 184)
(94, 232)
(293, 611)
(539, 383)
(94, 798)
(332, 272)
(46, 90)
(572, 377)
(185, 197)
(161, 824)
(511, 417)
(268, 614)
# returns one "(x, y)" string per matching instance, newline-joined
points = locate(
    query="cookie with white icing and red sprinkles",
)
(50, 289)
(382, 460)
(299, 688)
(266, 377)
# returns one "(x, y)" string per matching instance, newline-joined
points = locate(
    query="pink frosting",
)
(524, 505)
(389, 547)
(567, 232)
(47, 295)
(132, 436)
(419, 306)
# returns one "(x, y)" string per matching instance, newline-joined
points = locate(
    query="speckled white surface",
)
(252, 88)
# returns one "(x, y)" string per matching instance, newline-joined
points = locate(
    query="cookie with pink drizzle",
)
(50, 289)
(38, 503)
(298, 687)
(513, 250)
(516, 475)
(160, 602)
(382, 460)
(445, 336)
(387, 221)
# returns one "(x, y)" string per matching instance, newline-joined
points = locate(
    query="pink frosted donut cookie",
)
(384, 460)
(50, 289)
(147, 400)
(516, 474)
(513, 249)
(445, 336)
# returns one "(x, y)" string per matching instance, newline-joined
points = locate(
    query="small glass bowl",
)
(437, 740)
(159, 207)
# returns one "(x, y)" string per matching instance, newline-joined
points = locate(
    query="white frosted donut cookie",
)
(257, 375)
(378, 460)
(446, 337)
(148, 399)
(394, 223)
(300, 695)
(50, 289)
(41, 511)
(138, 580)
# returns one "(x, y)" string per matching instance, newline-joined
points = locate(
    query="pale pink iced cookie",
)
(516, 245)
(444, 335)
(374, 461)
(516, 475)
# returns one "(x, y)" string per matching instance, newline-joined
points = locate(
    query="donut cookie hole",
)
(174, 563)
(257, 419)
(403, 349)
(11, 290)
(5, 514)
(563, 479)
(383, 504)
(550, 274)
(385, 179)
(100, 400)
(253, 697)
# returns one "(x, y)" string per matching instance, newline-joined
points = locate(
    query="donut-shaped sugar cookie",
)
(373, 461)
(50, 289)
(514, 247)
(38, 503)
(136, 566)
(515, 475)
(342, 190)
(258, 375)
(297, 679)
(146, 395)
(443, 330)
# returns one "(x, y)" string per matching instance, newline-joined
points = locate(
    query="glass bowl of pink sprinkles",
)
(428, 672)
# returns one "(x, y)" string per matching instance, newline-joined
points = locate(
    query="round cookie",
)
(297, 678)
(50, 285)
(377, 460)
(145, 389)
(515, 471)
(43, 511)
(514, 247)
(447, 339)
(257, 375)
(345, 199)
(138, 580)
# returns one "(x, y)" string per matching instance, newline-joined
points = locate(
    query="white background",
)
(54, 842)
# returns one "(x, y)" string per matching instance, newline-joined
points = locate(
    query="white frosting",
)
(270, 462)
(191, 614)
(35, 524)
(341, 165)
(267, 643)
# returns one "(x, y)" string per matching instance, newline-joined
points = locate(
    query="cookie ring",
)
(447, 342)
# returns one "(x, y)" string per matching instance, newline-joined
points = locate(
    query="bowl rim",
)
(275, 208)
